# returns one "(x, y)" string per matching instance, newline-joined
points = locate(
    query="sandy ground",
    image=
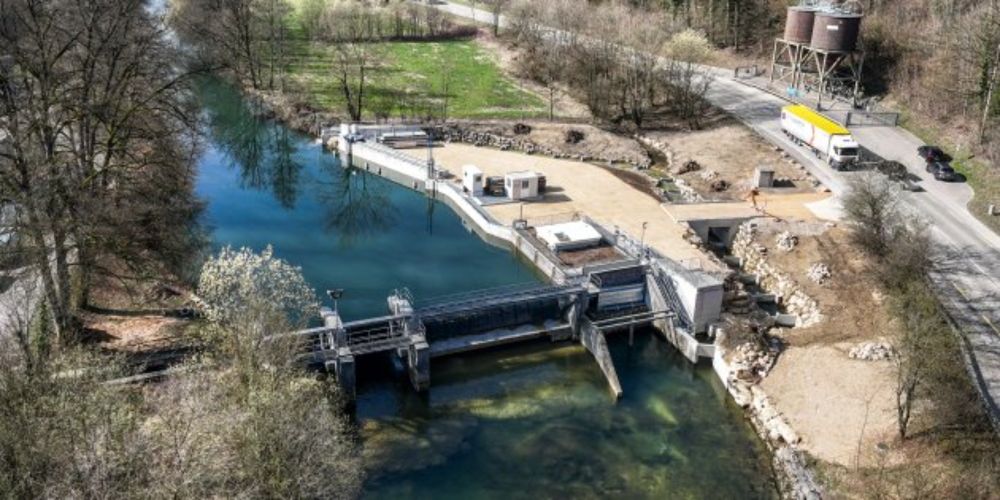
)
(833, 402)
(577, 187)
(133, 333)
(734, 163)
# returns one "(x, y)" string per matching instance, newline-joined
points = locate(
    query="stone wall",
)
(753, 260)
(795, 479)
(480, 136)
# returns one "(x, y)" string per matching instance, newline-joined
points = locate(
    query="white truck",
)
(825, 137)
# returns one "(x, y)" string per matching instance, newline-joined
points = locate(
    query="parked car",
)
(941, 171)
(932, 154)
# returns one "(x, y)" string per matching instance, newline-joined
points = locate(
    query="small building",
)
(568, 236)
(763, 177)
(521, 185)
(472, 180)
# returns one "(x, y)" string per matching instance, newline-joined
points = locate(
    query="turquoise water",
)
(265, 184)
(527, 421)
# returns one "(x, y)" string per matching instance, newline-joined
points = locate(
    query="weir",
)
(606, 301)
(579, 304)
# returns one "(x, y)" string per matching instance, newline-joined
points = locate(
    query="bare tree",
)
(352, 66)
(94, 111)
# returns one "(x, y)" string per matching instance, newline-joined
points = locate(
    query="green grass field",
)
(413, 77)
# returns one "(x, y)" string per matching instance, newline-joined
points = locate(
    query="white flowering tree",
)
(250, 296)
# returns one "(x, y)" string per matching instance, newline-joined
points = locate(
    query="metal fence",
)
(878, 119)
(747, 71)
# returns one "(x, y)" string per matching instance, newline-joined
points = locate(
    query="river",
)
(528, 421)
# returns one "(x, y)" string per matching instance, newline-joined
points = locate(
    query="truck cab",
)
(844, 151)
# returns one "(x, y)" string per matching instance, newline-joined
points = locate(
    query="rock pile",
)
(460, 133)
(688, 166)
(819, 273)
(750, 363)
(789, 293)
(872, 351)
(787, 241)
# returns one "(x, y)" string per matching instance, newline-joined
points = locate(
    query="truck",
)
(825, 137)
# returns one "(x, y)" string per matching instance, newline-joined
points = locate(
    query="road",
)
(966, 270)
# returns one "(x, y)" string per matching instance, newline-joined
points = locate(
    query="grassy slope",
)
(478, 89)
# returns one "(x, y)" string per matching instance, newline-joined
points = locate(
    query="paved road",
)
(966, 272)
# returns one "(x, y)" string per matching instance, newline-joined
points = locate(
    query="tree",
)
(96, 118)
(497, 8)
(251, 297)
(353, 63)
(872, 204)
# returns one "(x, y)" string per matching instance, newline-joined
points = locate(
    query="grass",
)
(413, 77)
(981, 177)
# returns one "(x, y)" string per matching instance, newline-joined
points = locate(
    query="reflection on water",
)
(347, 229)
(539, 421)
(358, 205)
(525, 421)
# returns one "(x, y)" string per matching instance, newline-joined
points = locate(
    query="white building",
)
(472, 180)
(521, 185)
(568, 236)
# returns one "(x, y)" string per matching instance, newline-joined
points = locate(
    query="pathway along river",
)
(529, 421)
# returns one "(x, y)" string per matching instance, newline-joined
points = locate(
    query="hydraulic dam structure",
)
(633, 287)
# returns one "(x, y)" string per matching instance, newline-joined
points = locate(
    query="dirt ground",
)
(832, 401)
(133, 334)
(734, 163)
(577, 187)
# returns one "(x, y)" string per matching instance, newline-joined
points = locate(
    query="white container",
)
(472, 180)
(521, 185)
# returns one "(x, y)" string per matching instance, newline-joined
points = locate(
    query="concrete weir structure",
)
(579, 304)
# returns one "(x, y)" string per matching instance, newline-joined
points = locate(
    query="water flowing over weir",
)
(528, 419)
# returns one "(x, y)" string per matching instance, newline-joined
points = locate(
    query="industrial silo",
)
(799, 24)
(835, 32)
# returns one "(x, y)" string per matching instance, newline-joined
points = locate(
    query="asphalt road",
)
(966, 270)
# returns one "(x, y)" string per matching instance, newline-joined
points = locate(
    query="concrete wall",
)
(700, 293)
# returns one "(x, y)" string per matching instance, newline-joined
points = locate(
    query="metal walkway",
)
(473, 302)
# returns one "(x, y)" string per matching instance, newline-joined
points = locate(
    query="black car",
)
(941, 171)
(932, 154)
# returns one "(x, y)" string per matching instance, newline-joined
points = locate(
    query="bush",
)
(574, 136)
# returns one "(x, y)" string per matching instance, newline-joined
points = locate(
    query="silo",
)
(835, 32)
(799, 24)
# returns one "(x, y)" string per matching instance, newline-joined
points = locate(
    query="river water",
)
(528, 421)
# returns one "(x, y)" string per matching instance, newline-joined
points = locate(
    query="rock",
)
(819, 273)
(688, 166)
(787, 241)
(573, 136)
(709, 175)
(872, 351)
(522, 129)
(719, 185)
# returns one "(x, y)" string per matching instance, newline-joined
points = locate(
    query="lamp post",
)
(642, 240)
(335, 294)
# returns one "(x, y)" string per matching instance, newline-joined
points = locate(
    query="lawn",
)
(414, 76)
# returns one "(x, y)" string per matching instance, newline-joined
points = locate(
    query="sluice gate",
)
(612, 298)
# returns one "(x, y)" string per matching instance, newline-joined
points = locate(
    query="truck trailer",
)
(825, 137)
